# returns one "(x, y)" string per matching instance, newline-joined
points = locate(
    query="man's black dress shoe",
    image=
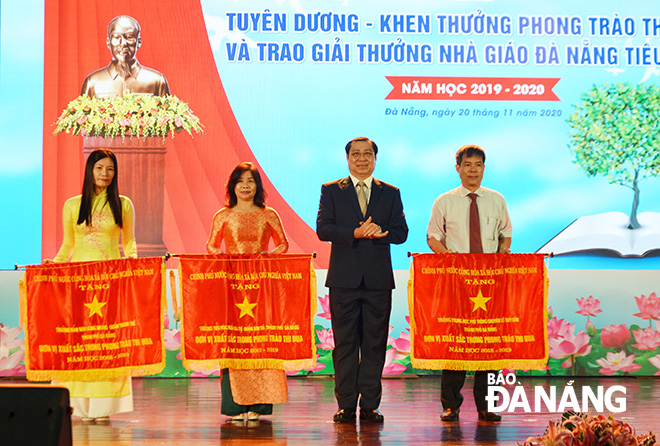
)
(371, 416)
(344, 416)
(489, 416)
(450, 414)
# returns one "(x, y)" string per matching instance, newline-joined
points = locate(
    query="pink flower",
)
(318, 366)
(403, 343)
(172, 339)
(390, 339)
(9, 366)
(647, 339)
(392, 368)
(326, 339)
(178, 122)
(589, 306)
(569, 345)
(656, 363)
(614, 336)
(107, 120)
(204, 373)
(325, 306)
(9, 339)
(557, 327)
(408, 320)
(125, 122)
(550, 312)
(649, 307)
(81, 120)
(164, 120)
(617, 362)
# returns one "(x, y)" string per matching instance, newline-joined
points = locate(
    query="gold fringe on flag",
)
(183, 334)
(94, 374)
(249, 364)
(313, 308)
(22, 297)
(449, 364)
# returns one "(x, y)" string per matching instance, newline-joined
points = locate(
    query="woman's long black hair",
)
(85, 214)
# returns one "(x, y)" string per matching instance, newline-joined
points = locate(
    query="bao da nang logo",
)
(551, 398)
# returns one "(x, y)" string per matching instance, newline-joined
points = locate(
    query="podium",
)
(141, 174)
(35, 415)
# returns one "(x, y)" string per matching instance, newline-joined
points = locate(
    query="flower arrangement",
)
(130, 115)
(584, 429)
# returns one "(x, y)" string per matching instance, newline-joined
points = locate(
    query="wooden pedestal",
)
(141, 173)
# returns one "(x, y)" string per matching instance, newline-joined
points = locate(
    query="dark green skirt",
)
(229, 407)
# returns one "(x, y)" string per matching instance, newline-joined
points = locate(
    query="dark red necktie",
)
(475, 227)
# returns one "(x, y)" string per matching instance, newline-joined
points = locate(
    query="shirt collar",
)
(465, 192)
(367, 181)
(102, 194)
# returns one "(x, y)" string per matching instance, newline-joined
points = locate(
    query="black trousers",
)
(360, 323)
(452, 383)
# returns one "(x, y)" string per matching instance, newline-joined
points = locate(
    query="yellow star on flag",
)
(246, 308)
(95, 307)
(480, 301)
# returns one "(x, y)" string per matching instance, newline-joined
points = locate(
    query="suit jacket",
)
(352, 260)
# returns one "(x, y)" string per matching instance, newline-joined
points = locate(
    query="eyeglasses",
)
(357, 155)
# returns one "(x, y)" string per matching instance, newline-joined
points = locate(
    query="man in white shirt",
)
(449, 231)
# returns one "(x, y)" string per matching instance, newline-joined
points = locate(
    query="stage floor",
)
(175, 411)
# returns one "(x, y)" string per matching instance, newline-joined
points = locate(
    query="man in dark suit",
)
(361, 216)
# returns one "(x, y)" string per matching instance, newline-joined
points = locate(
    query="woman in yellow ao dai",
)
(92, 224)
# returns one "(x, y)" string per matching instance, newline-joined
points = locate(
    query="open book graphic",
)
(608, 231)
